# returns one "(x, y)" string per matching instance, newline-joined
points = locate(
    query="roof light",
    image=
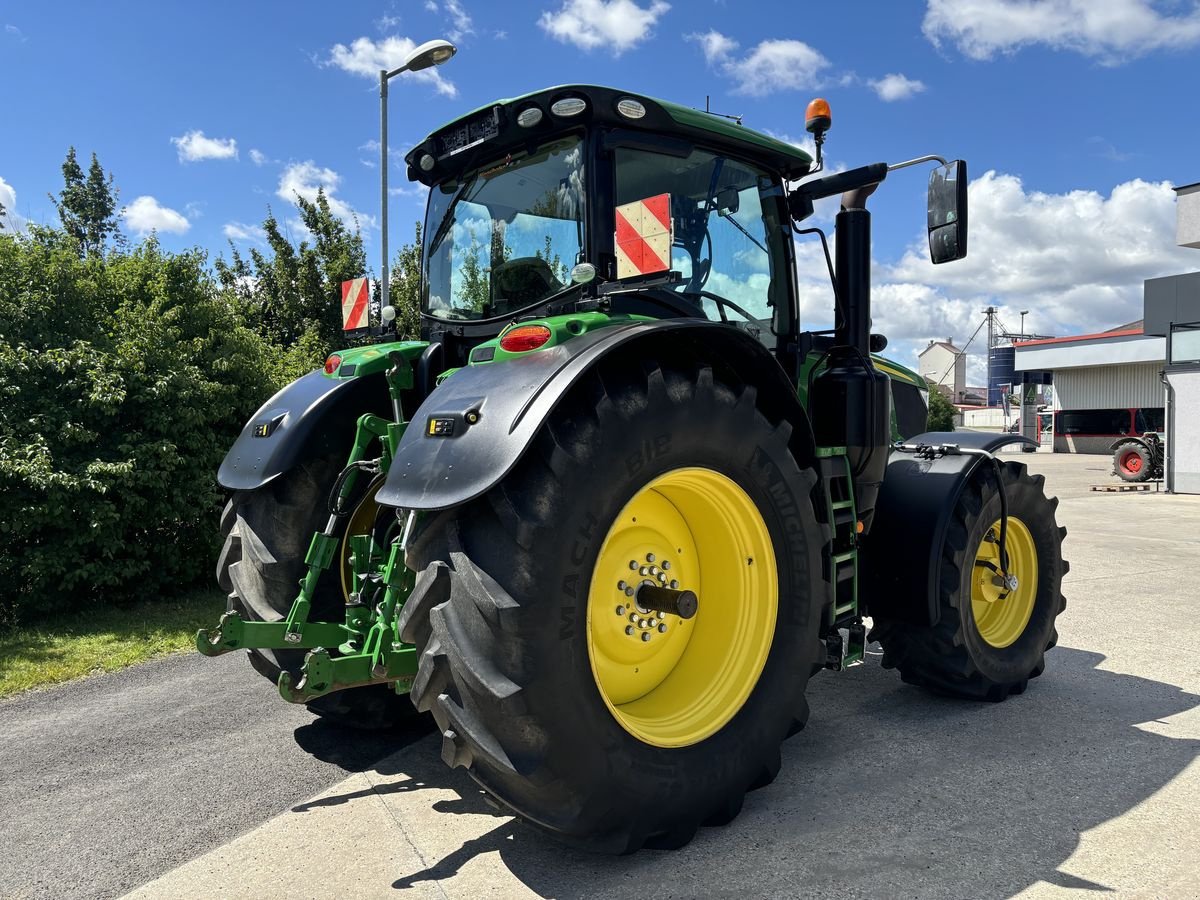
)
(568, 106)
(427, 163)
(817, 118)
(332, 363)
(630, 108)
(524, 338)
(529, 117)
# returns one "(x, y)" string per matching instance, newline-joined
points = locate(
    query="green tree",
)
(941, 410)
(292, 294)
(87, 207)
(405, 287)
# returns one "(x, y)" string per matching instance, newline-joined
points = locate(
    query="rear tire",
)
(506, 616)
(1131, 462)
(267, 533)
(979, 649)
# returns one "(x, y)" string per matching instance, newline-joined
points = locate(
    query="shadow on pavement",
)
(890, 791)
(354, 749)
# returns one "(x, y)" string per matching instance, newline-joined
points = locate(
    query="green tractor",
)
(616, 507)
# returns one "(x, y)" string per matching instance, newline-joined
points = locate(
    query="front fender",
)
(900, 559)
(311, 415)
(472, 430)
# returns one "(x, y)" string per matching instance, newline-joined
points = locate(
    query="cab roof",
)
(461, 143)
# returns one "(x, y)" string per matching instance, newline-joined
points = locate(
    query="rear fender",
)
(312, 415)
(474, 428)
(900, 559)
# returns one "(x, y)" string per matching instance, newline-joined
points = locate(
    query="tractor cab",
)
(577, 198)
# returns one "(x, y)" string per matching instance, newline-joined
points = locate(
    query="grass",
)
(62, 648)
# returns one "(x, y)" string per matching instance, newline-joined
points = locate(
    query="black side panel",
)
(899, 557)
(312, 414)
(470, 432)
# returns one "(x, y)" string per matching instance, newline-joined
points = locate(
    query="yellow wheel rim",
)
(668, 681)
(362, 521)
(1002, 614)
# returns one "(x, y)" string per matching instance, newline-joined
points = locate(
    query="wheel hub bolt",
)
(620, 585)
(633, 564)
(628, 591)
(620, 610)
(645, 636)
(649, 557)
(629, 629)
(662, 627)
(666, 564)
(645, 570)
(674, 585)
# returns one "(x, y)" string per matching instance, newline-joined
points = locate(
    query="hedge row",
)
(123, 380)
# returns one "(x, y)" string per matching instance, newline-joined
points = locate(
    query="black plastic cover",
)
(483, 418)
(309, 416)
(899, 559)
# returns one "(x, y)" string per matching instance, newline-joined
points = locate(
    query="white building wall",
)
(941, 366)
(1109, 387)
(1183, 437)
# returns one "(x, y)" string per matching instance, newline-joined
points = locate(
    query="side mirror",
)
(948, 212)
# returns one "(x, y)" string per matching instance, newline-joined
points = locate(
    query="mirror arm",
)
(892, 167)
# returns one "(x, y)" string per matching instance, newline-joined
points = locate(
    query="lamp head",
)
(430, 53)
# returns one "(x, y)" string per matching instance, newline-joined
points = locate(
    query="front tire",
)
(266, 537)
(988, 641)
(603, 724)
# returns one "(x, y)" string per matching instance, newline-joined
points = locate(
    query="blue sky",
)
(1070, 114)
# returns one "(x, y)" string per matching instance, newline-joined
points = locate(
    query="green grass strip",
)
(65, 647)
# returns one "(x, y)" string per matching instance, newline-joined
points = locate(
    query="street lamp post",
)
(1024, 313)
(431, 53)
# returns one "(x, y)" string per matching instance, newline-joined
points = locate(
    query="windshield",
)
(507, 236)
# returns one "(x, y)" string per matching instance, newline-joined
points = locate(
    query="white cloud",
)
(1076, 260)
(774, 65)
(460, 21)
(239, 231)
(366, 57)
(716, 46)
(896, 87)
(304, 179)
(619, 24)
(10, 219)
(146, 214)
(257, 157)
(1111, 30)
(195, 146)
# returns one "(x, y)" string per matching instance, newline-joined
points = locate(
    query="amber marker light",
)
(817, 117)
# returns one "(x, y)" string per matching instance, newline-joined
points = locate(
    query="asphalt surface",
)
(1083, 785)
(108, 782)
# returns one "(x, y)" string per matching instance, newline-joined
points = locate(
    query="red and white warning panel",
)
(354, 304)
(644, 235)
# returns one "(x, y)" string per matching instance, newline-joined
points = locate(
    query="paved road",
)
(111, 781)
(1084, 784)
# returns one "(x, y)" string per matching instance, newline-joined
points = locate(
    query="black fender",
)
(472, 430)
(1129, 440)
(899, 560)
(311, 415)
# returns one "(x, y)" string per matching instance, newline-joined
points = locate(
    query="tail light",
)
(332, 363)
(524, 337)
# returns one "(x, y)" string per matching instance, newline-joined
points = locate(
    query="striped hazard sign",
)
(644, 235)
(354, 304)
